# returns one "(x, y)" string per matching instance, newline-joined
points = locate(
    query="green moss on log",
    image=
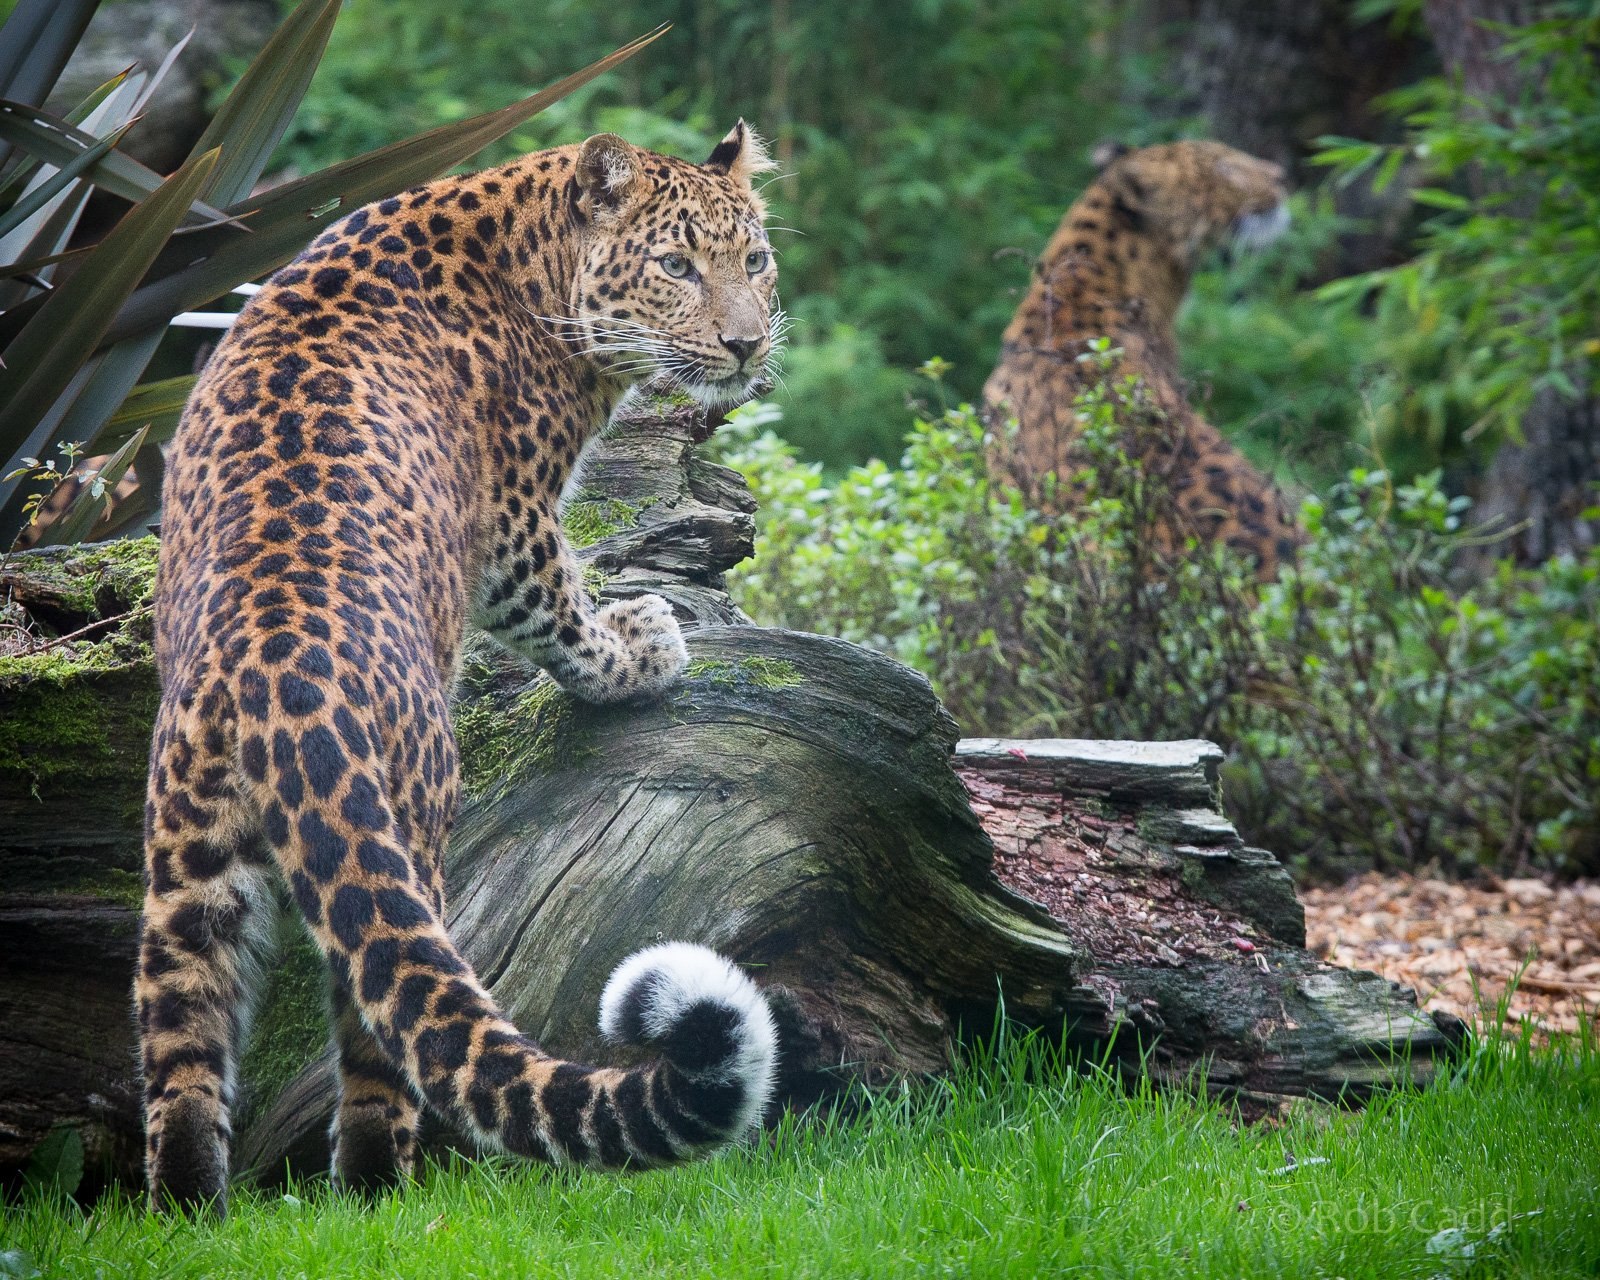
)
(764, 673)
(82, 576)
(77, 707)
(589, 519)
(540, 730)
(76, 722)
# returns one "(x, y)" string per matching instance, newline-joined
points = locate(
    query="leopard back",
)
(1118, 267)
(374, 455)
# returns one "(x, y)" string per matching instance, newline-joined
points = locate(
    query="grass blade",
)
(253, 119)
(284, 219)
(73, 320)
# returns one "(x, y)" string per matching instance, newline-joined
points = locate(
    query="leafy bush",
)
(1398, 722)
(1078, 627)
(1375, 714)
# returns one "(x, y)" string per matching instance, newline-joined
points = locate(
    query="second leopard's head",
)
(1188, 197)
(676, 278)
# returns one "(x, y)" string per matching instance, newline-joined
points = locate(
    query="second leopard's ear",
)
(1107, 153)
(741, 155)
(608, 174)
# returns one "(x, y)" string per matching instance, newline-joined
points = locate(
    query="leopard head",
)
(676, 278)
(1193, 196)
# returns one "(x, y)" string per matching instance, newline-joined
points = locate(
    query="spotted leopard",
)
(373, 456)
(1118, 266)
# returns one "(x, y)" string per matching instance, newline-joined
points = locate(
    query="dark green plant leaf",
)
(158, 75)
(143, 505)
(22, 173)
(46, 248)
(56, 142)
(250, 123)
(87, 509)
(32, 266)
(282, 220)
(58, 182)
(156, 405)
(72, 321)
(36, 42)
(56, 1162)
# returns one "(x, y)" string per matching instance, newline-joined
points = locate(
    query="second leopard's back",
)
(1118, 267)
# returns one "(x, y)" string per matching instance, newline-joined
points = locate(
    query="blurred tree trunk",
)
(1541, 485)
(1270, 77)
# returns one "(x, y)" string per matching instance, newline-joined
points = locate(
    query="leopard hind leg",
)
(206, 929)
(374, 1133)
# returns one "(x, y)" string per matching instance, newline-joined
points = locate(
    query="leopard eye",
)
(675, 265)
(756, 261)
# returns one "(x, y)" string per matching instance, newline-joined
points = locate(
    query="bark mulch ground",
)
(1461, 945)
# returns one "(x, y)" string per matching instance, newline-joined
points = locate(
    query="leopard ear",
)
(740, 155)
(1108, 153)
(607, 174)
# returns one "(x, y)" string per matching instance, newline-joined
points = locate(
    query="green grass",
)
(989, 1176)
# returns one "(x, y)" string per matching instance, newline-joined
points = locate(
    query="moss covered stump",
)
(77, 696)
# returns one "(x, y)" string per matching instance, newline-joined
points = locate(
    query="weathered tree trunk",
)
(1541, 486)
(798, 802)
(1191, 940)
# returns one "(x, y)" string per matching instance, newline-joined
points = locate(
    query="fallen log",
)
(798, 802)
(1193, 943)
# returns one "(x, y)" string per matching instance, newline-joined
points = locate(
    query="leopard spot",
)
(298, 697)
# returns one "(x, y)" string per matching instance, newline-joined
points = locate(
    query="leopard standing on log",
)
(374, 455)
(1118, 266)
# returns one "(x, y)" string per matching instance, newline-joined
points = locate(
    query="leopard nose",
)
(742, 348)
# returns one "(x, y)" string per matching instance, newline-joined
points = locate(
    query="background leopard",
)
(374, 455)
(1118, 266)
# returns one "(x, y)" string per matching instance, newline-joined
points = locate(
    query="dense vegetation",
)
(1401, 698)
(1377, 713)
(999, 1173)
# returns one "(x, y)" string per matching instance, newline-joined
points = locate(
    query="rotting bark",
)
(793, 803)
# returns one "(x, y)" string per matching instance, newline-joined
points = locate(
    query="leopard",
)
(1117, 268)
(373, 458)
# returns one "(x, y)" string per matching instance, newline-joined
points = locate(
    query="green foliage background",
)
(927, 150)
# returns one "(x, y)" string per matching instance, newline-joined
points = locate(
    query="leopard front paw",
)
(649, 650)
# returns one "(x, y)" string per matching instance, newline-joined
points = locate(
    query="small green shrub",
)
(1399, 722)
(1074, 628)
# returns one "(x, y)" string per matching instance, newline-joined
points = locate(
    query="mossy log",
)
(798, 802)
